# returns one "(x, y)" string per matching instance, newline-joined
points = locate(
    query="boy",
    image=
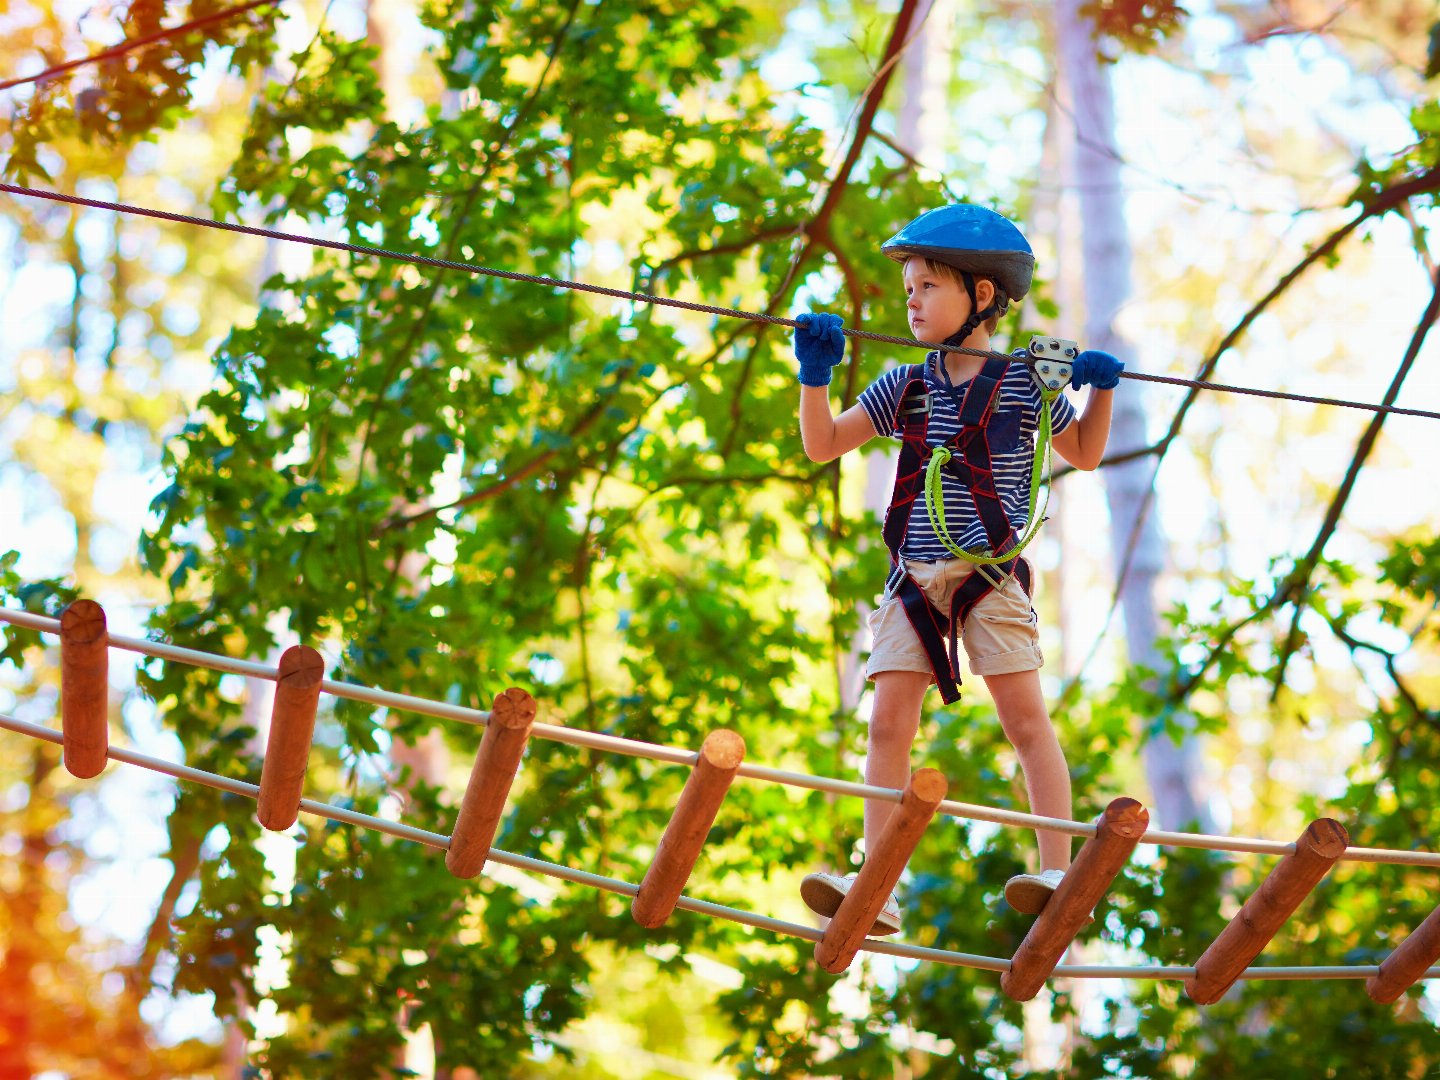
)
(963, 265)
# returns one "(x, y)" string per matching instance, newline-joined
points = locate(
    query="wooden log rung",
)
(496, 763)
(882, 869)
(1101, 858)
(292, 732)
(1266, 910)
(85, 688)
(684, 836)
(1411, 959)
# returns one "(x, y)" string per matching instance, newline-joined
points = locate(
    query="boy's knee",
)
(1028, 728)
(892, 725)
(899, 696)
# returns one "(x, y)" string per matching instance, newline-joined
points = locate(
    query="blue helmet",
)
(971, 239)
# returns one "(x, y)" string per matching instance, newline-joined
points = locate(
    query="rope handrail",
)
(662, 301)
(675, 755)
(949, 957)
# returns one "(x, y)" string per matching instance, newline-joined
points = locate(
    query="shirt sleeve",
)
(1062, 414)
(879, 400)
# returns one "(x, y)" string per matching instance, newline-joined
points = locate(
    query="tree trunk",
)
(1172, 769)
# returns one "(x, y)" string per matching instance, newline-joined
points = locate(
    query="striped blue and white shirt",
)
(1012, 430)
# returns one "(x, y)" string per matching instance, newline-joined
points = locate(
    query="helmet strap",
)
(977, 317)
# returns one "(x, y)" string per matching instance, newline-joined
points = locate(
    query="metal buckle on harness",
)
(923, 405)
(1054, 361)
(994, 576)
(893, 582)
(992, 573)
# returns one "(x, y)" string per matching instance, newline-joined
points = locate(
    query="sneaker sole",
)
(1028, 898)
(824, 899)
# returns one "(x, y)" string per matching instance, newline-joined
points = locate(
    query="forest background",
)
(450, 485)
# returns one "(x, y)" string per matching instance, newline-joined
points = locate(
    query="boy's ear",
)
(984, 293)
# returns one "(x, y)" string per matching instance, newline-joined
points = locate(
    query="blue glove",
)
(819, 346)
(1096, 368)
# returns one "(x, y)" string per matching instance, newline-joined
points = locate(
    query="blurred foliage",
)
(1136, 26)
(127, 98)
(633, 531)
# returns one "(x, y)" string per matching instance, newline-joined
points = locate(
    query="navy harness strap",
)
(912, 421)
(971, 464)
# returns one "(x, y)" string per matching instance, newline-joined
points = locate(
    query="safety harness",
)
(966, 456)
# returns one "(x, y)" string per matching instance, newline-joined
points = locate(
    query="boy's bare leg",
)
(1021, 707)
(894, 720)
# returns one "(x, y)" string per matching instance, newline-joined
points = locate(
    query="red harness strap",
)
(971, 464)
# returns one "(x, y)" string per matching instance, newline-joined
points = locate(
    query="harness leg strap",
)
(971, 591)
(931, 627)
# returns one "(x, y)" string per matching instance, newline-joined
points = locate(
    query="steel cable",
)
(650, 298)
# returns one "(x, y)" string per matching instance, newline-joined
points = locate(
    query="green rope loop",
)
(935, 502)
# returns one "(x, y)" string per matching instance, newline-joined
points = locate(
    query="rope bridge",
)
(84, 650)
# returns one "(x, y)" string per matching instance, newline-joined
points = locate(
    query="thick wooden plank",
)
(292, 730)
(883, 867)
(1402, 969)
(1267, 909)
(490, 780)
(85, 688)
(720, 757)
(1067, 911)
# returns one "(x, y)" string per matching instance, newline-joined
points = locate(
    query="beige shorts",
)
(1001, 634)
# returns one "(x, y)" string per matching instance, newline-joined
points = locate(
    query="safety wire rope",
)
(662, 301)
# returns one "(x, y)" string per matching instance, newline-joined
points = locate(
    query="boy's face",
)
(937, 303)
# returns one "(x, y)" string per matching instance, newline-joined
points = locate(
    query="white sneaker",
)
(822, 894)
(1029, 893)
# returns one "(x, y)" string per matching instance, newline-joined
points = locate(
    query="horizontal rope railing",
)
(402, 831)
(651, 298)
(678, 756)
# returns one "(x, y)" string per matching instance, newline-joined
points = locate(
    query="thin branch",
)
(1356, 644)
(582, 583)
(1112, 459)
(185, 861)
(915, 163)
(137, 43)
(855, 289)
(402, 354)
(1291, 30)
(1418, 238)
(1297, 582)
(1385, 201)
(504, 483)
(731, 248)
(818, 229)
(742, 479)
